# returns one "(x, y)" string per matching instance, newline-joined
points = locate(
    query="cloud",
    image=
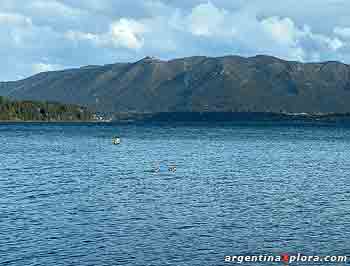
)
(342, 32)
(52, 8)
(81, 36)
(301, 41)
(42, 67)
(282, 30)
(127, 33)
(14, 19)
(52, 34)
(199, 23)
(124, 33)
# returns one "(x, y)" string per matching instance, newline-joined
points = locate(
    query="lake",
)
(70, 197)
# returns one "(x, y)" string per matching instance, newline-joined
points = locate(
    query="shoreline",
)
(206, 117)
(51, 122)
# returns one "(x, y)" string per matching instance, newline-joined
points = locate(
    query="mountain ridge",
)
(195, 84)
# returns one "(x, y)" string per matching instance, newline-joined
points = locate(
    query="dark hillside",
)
(195, 84)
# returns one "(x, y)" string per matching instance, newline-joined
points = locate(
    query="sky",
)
(46, 35)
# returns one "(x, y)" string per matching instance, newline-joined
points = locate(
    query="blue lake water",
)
(70, 197)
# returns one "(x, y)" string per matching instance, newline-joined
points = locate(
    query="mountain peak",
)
(150, 59)
(256, 84)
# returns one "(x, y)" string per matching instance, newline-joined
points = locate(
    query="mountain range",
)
(195, 84)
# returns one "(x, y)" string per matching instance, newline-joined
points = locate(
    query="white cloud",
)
(14, 19)
(127, 33)
(298, 39)
(44, 67)
(13, 30)
(79, 32)
(206, 19)
(283, 30)
(81, 36)
(335, 44)
(342, 32)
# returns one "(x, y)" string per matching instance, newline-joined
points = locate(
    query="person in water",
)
(172, 168)
(116, 140)
(156, 168)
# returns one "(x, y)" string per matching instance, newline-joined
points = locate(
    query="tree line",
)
(41, 111)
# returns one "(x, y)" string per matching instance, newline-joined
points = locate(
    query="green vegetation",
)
(41, 111)
(196, 84)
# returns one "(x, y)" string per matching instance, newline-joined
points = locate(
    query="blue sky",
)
(43, 35)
